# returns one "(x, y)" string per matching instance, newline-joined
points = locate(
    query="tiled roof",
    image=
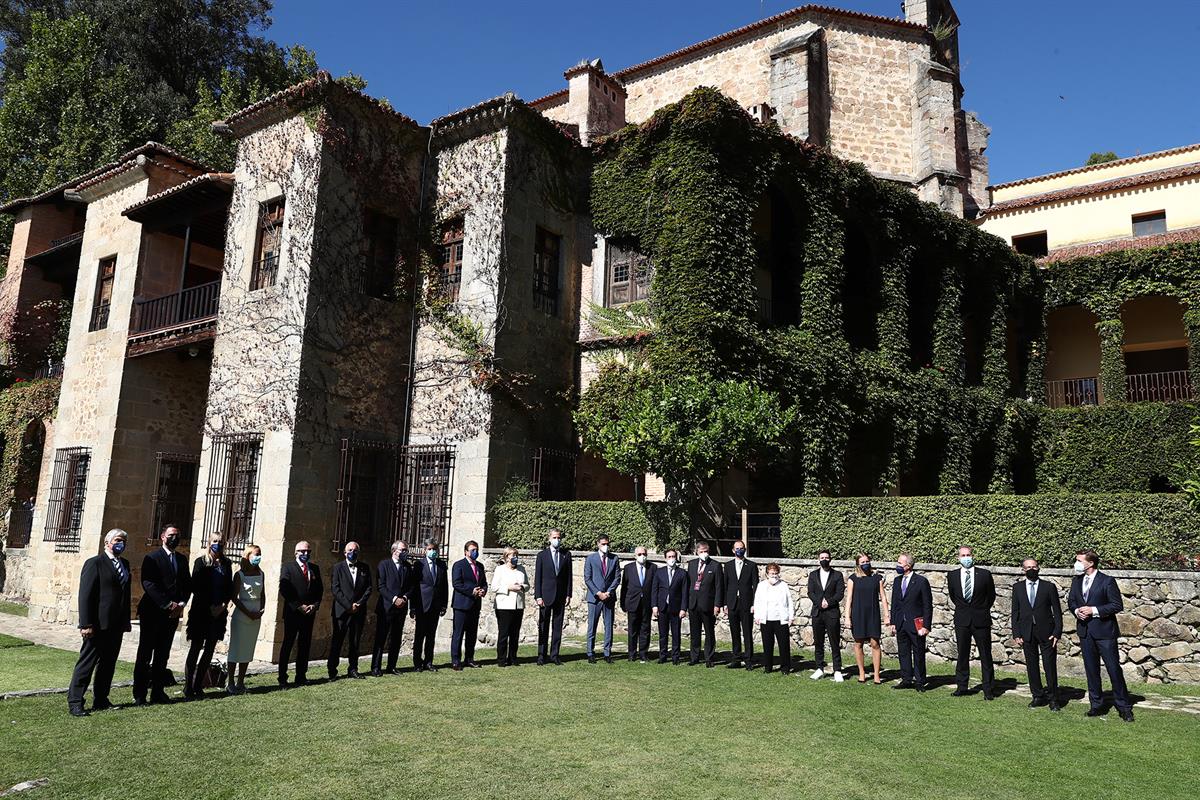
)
(1091, 167)
(552, 98)
(494, 113)
(215, 178)
(1100, 187)
(1128, 243)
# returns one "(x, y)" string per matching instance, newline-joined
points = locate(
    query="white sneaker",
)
(837, 677)
(817, 674)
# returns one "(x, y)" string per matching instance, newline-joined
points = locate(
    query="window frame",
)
(264, 269)
(639, 276)
(1148, 217)
(451, 254)
(380, 267)
(106, 278)
(1028, 236)
(546, 298)
(68, 496)
(231, 498)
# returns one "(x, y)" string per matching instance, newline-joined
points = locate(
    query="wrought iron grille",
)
(546, 263)
(232, 494)
(68, 490)
(553, 474)
(423, 498)
(366, 494)
(175, 476)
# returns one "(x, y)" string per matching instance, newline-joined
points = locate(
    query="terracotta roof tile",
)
(1128, 243)
(1100, 187)
(1089, 168)
(221, 178)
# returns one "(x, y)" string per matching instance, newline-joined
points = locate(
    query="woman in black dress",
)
(863, 597)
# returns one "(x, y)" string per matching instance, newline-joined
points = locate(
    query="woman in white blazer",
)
(773, 613)
(510, 582)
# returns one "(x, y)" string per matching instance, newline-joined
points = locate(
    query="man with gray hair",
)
(912, 615)
(104, 607)
(391, 610)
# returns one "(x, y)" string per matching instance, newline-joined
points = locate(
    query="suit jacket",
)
(833, 593)
(203, 596)
(634, 594)
(597, 579)
(1040, 621)
(671, 592)
(712, 587)
(431, 590)
(395, 580)
(161, 585)
(917, 603)
(104, 601)
(978, 612)
(1105, 595)
(548, 587)
(296, 591)
(347, 592)
(465, 580)
(739, 594)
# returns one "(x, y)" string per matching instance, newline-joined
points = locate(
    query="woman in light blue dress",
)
(249, 599)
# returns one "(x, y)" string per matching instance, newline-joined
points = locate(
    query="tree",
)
(1101, 158)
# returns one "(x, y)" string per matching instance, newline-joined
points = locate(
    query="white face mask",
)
(641, 559)
(774, 579)
(670, 562)
(704, 556)
(603, 548)
(1080, 568)
(554, 543)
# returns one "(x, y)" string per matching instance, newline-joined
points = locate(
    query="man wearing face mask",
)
(391, 610)
(552, 587)
(166, 587)
(826, 588)
(1036, 628)
(972, 593)
(104, 612)
(301, 590)
(601, 576)
(212, 592)
(429, 600)
(470, 586)
(912, 614)
(741, 582)
(1095, 600)
(350, 585)
(670, 606)
(705, 597)
(637, 600)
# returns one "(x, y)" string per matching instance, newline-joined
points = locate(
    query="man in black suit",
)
(350, 586)
(166, 587)
(104, 608)
(1095, 600)
(431, 595)
(972, 593)
(552, 589)
(301, 590)
(637, 598)
(740, 581)
(826, 588)
(1036, 628)
(391, 610)
(670, 606)
(212, 592)
(912, 603)
(706, 592)
(470, 586)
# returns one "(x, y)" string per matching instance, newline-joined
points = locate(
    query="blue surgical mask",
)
(899, 569)
(512, 560)
(1080, 568)
(473, 553)
(352, 556)
(739, 551)
(118, 547)
(966, 561)
(215, 547)
(255, 560)
(554, 543)
(303, 557)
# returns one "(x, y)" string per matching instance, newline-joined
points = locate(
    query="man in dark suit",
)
(301, 590)
(470, 585)
(1036, 628)
(601, 577)
(740, 580)
(166, 587)
(391, 610)
(350, 586)
(552, 589)
(431, 595)
(1095, 600)
(637, 600)
(826, 588)
(212, 592)
(972, 593)
(670, 606)
(104, 612)
(706, 593)
(912, 603)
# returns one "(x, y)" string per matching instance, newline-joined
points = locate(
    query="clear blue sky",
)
(1054, 79)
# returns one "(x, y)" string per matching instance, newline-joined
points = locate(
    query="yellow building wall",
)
(1116, 169)
(1074, 344)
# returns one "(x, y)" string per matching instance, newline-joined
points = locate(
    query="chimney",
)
(595, 100)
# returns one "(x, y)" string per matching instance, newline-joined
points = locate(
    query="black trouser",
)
(297, 630)
(703, 619)
(97, 654)
(389, 631)
(423, 637)
(346, 629)
(1049, 655)
(200, 652)
(550, 625)
(670, 628)
(827, 623)
(508, 634)
(464, 635)
(774, 631)
(638, 623)
(1093, 651)
(983, 642)
(912, 656)
(154, 648)
(741, 630)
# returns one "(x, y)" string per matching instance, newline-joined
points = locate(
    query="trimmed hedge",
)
(626, 523)
(1128, 530)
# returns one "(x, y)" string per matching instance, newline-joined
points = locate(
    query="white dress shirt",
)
(824, 575)
(773, 602)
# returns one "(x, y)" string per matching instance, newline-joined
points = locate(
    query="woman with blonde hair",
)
(249, 600)
(863, 597)
(510, 582)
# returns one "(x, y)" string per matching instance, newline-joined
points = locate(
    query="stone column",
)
(800, 86)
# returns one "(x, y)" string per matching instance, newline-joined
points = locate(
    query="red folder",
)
(919, 623)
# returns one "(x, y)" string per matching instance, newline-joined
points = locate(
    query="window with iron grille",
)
(449, 274)
(174, 501)
(379, 274)
(366, 495)
(68, 489)
(629, 275)
(104, 289)
(546, 263)
(424, 494)
(233, 488)
(268, 245)
(553, 474)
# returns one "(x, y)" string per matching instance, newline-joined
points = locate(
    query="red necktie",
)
(603, 567)
(304, 569)
(475, 572)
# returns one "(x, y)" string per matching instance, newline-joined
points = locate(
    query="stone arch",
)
(1072, 357)
(1155, 349)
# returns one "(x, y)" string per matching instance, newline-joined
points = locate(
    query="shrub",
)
(626, 523)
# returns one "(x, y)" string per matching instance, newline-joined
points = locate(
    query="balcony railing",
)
(1071, 392)
(50, 369)
(190, 305)
(71, 237)
(1163, 387)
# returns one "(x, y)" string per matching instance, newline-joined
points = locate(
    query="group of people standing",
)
(701, 591)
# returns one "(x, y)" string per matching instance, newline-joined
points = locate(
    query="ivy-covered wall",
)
(22, 404)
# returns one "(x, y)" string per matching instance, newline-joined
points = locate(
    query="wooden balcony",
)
(175, 320)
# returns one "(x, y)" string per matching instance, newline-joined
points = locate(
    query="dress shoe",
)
(356, 675)
(430, 668)
(960, 692)
(301, 681)
(903, 685)
(591, 659)
(1126, 714)
(377, 673)
(1094, 712)
(988, 695)
(333, 676)
(501, 663)
(456, 667)
(77, 711)
(922, 687)
(160, 698)
(283, 682)
(1038, 702)
(608, 659)
(733, 664)
(541, 662)
(709, 664)
(140, 701)
(693, 662)
(662, 660)
(643, 661)
(558, 662)
(1055, 705)
(101, 705)
(676, 662)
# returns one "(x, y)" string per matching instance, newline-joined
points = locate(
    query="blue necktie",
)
(120, 571)
(641, 574)
(1032, 593)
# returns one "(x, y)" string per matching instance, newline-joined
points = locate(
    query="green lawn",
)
(25, 666)
(622, 731)
(14, 608)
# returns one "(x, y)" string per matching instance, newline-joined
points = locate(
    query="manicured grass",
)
(626, 730)
(28, 666)
(7, 641)
(14, 608)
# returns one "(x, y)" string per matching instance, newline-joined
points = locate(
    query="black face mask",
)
(866, 568)
(172, 542)
(824, 563)
(1031, 574)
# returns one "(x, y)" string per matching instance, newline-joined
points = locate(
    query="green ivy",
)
(20, 404)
